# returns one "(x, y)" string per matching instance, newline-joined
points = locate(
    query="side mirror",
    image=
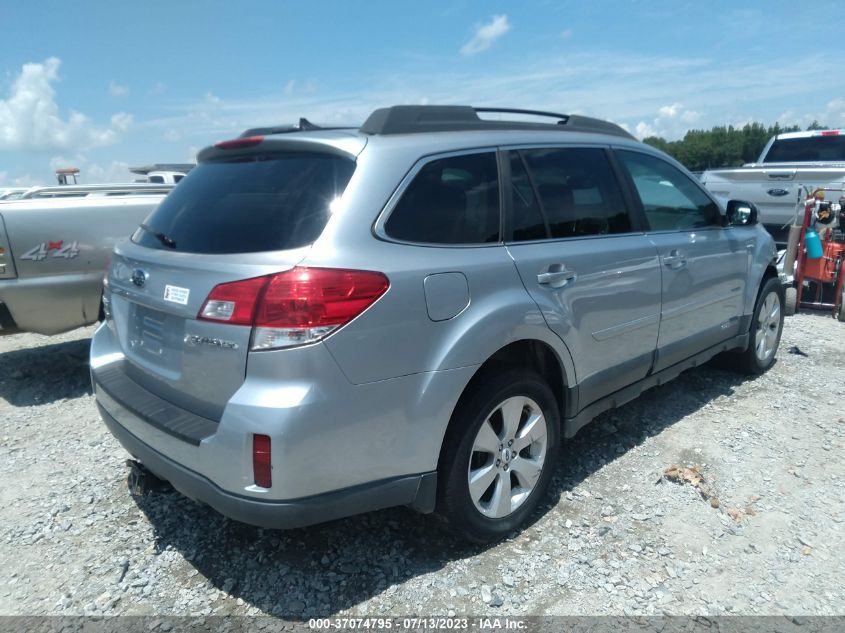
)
(741, 213)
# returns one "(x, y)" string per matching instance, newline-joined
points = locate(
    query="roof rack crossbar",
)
(420, 119)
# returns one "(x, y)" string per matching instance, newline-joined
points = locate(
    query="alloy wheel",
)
(508, 455)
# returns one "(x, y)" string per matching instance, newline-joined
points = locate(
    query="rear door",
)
(703, 265)
(227, 221)
(582, 257)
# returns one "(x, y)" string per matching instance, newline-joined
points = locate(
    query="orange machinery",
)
(826, 273)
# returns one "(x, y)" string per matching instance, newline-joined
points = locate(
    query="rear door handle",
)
(556, 276)
(675, 259)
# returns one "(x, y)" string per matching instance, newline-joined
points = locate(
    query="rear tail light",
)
(298, 306)
(262, 470)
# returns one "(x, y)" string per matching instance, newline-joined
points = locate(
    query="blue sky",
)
(103, 85)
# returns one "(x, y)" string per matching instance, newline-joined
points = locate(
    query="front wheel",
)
(498, 455)
(766, 328)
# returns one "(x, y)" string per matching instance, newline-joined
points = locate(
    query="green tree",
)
(721, 146)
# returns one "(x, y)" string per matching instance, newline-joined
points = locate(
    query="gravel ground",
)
(762, 532)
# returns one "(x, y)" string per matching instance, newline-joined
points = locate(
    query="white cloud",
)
(121, 121)
(832, 115)
(30, 117)
(486, 34)
(566, 33)
(289, 86)
(116, 90)
(671, 122)
(157, 89)
(644, 130)
(172, 136)
(669, 111)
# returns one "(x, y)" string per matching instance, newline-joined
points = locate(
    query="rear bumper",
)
(337, 448)
(416, 490)
(51, 304)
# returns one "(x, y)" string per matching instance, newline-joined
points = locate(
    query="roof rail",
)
(304, 125)
(420, 119)
(80, 191)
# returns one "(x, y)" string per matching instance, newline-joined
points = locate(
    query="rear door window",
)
(265, 203)
(578, 191)
(452, 200)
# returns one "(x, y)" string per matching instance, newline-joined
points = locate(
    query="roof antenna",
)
(305, 124)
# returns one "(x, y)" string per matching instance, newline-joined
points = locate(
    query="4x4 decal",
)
(52, 249)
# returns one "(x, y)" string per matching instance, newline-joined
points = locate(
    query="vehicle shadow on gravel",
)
(44, 374)
(321, 570)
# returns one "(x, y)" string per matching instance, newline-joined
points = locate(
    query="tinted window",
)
(670, 199)
(578, 192)
(157, 179)
(807, 150)
(450, 201)
(261, 204)
(528, 223)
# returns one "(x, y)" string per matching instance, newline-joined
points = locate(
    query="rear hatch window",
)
(263, 203)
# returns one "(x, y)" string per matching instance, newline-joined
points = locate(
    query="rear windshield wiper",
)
(161, 237)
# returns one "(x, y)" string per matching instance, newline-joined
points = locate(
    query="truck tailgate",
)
(7, 264)
(774, 189)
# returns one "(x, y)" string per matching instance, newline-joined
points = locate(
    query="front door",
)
(703, 264)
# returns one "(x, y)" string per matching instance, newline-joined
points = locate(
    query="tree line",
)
(722, 146)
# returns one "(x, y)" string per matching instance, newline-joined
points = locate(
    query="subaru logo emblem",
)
(138, 277)
(777, 192)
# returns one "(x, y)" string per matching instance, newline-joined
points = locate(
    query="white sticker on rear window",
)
(176, 294)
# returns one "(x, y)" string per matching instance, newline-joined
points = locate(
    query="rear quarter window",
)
(452, 200)
(265, 203)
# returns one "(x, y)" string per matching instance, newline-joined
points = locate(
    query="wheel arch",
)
(532, 354)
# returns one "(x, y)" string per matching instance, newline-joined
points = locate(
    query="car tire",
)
(766, 328)
(841, 313)
(790, 301)
(504, 437)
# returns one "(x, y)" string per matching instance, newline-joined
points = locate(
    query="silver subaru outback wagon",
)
(321, 322)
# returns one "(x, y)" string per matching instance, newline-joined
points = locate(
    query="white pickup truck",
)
(55, 243)
(774, 183)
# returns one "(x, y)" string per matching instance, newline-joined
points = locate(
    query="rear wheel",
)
(498, 455)
(841, 313)
(766, 328)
